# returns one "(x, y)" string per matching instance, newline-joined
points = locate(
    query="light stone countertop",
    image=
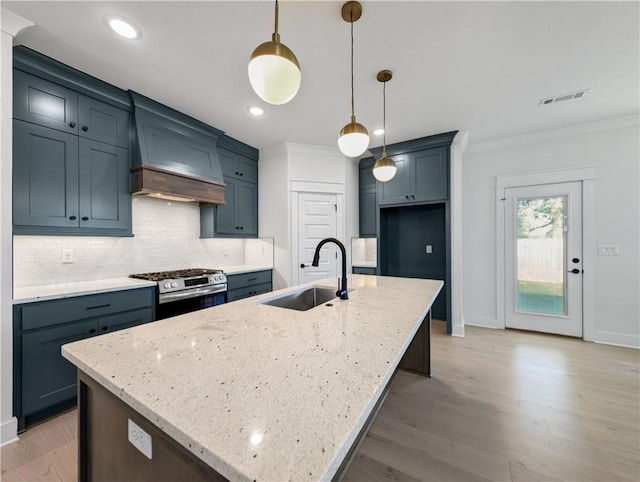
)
(364, 264)
(259, 392)
(244, 268)
(66, 290)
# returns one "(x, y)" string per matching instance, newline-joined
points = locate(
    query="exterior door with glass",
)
(543, 258)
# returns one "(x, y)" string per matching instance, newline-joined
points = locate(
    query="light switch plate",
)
(67, 256)
(225, 251)
(429, 249)
(140, 439)
(608, 250)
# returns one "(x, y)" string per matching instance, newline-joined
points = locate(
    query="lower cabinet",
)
(361, 270)
(45, 382)
(245, 285)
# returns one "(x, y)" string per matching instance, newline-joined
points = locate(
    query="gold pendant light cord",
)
(276, 35)
(384, 119)
(353, 115)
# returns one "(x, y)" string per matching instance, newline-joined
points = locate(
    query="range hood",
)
(175, 156)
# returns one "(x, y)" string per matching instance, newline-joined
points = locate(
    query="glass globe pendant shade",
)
(354, 139)
(274, 73)
(384, 169)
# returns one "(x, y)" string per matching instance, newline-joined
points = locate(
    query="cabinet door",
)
(247, 208)
(366, 177)
(228, 162)
(248, 169)
(120, 321)
(103, 122)
(38, 101)
(47, 378)
(45, 177)
(368, 213)
(225, 219)
(398, 189)
(430, 175)
(105, 196)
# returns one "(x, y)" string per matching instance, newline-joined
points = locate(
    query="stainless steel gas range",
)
(187, 290)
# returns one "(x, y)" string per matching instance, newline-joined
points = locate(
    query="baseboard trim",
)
(9, 431)
(617, 339)
(457, 330)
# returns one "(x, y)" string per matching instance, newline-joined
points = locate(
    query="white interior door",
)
(543, 258)
(317, 219)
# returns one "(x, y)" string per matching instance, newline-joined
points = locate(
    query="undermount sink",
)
(303, 300)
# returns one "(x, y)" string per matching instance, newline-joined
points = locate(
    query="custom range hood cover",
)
(175, 156)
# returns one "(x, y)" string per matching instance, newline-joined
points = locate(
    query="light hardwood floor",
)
(504, 406)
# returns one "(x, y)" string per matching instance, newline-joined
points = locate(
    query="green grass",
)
(540, 297)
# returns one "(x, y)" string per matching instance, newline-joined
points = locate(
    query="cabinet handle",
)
(241, 227)
(73, 218)
(85, 128)
(406, 197)
(85, 218)
(92, 331)
(237, 227)
(98, 306)
(241, 174)
(72, 124)
(237, 173)
(412, 196)
(252, 279)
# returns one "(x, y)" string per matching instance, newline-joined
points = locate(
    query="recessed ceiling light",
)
(378, 132)
(256, 111)
(124, 28)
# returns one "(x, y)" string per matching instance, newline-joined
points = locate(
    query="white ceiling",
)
(479, 66)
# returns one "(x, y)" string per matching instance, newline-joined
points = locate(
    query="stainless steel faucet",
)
(343, 292)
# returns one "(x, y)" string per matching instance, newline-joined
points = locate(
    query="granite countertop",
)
(364, 264)
(65, 290)
(259, 392)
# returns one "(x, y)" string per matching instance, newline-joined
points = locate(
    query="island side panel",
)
(417, 358)
(105, 453)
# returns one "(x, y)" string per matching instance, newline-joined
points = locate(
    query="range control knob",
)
(174, 285)
(167, 285)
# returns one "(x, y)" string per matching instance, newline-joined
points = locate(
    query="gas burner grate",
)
(175, 274)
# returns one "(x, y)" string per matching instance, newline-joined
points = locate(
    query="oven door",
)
(174, 304)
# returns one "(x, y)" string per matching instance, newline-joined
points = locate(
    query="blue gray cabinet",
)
(422, 176)
(44, 382)
(367, 198)
(63, 184)
(244, 285)
(238, 217)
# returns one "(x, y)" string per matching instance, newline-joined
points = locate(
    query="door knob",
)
(574, 271)
(575, 260)
(302, 265)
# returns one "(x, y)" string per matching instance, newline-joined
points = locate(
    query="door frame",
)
(298, 187)
(587, 176)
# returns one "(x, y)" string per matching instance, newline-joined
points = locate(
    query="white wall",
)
(285, 163)
(11, 25)
(166, 236)
(613, 148)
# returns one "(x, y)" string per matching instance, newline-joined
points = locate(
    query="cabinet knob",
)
(237, 173)
(406, 197)
(72, 124)
(85, 128)
(241, 174)
(241, 227)
(237, 227)
(92, 331)
(412, 196)
(105, 328)
(73, 218)
(85, 218)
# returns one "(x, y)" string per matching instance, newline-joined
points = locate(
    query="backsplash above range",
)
(166, 236)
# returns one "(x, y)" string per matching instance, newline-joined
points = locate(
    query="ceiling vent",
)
(562, 97)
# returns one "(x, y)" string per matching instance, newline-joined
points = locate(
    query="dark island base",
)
(105, 454)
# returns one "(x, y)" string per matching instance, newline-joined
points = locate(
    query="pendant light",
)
(274, 71)
(384, 169)
(354, 137)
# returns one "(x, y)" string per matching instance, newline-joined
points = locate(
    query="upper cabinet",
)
(71, 159)
(367, 193)
(238, 217)
(421, 177)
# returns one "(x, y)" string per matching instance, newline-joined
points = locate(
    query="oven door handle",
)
(192, 293)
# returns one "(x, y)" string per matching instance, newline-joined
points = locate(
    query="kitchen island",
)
(246, 390)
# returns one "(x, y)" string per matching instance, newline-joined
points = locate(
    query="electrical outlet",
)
(429, 249)
(67, 256)
(261, 250)
(225, 251)
(140, 439)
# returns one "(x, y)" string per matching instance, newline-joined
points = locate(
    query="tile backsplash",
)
(166, 236)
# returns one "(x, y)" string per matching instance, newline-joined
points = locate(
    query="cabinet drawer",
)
(248, 291)
(361, 270)
(120, 321)
(47, 313)
(236, 281)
